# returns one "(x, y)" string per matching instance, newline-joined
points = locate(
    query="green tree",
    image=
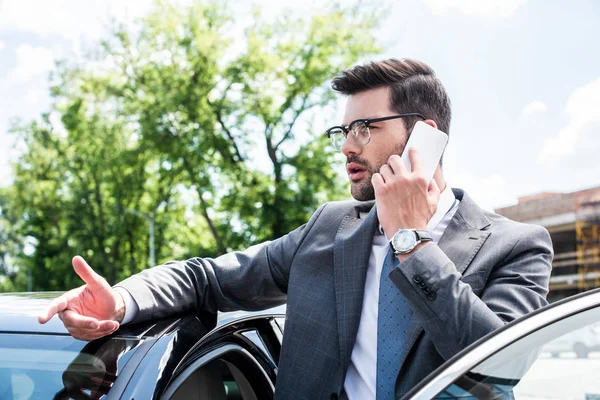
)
(207, 136)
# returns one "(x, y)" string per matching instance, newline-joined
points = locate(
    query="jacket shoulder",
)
(498, 221)
(502, 229)
(522, 233)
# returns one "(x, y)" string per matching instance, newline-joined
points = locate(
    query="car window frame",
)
(214, 354)
(496, 341)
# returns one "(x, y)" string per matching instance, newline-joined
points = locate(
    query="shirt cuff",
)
(131, 307)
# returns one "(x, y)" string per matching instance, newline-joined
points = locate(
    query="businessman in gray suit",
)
(379, 290)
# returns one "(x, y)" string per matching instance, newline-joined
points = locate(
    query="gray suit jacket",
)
(485, 271)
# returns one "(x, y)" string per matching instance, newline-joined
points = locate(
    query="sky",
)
(523, 77)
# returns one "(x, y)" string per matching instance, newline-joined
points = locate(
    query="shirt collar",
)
(446, 202)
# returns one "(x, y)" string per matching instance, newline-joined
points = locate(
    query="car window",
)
(58, 366)
(227, 373)
(217, 380)
(559, 361)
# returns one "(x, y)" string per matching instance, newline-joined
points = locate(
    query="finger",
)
(88, 336)
(75, 320)
(377, 181)
(415, 161)
(86, 273)
(104, 326)
(100, 326)
(434, 191)
(386, 173)
(91, 334)
(55, 306)
(433, 186)
(108, 325)
(397, 165)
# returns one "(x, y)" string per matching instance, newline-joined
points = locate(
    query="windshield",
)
(60, 367)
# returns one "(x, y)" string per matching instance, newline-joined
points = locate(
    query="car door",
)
(524, 360)
(236, 362)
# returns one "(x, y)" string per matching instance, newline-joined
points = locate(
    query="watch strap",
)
(423, 235)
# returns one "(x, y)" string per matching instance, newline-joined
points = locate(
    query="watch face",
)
(404, 240)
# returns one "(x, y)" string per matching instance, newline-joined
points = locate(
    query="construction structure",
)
(573, 220)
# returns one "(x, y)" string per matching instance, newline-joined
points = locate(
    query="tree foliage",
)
(181, 124)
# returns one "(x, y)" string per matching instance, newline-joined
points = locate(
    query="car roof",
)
(19, 311)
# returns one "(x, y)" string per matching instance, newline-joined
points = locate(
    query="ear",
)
(431, 123)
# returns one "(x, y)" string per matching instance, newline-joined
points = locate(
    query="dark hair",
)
(414, 88)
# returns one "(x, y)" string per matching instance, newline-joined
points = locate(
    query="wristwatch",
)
(405, 240)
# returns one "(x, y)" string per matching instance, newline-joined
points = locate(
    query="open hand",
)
(90, 311)
(405, 200)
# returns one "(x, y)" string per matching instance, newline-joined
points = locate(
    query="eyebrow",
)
(360, 119)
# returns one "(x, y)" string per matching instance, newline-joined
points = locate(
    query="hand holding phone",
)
(402, 202)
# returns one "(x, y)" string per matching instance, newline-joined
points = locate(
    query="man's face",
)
(387, 138)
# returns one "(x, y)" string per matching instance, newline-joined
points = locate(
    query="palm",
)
(90, 311)
(95, 302)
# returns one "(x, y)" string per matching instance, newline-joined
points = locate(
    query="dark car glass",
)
(60, 367)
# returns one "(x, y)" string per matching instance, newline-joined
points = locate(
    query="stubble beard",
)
(363, 190)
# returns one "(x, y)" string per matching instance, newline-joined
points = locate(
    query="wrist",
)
(391, 230)
(418, 247)
(119, 313)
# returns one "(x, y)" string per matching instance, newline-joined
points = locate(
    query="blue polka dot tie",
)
(392, 326)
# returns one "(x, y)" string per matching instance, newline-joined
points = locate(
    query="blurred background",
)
(135, 132)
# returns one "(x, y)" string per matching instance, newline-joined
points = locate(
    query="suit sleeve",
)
(448, 309)
(253, 279)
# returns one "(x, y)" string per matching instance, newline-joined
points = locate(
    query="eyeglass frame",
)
(367, 121)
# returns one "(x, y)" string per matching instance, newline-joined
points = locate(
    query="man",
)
(364, 318)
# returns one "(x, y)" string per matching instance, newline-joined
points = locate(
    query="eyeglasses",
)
(360, 130)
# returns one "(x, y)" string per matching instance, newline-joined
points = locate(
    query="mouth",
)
(355, 171)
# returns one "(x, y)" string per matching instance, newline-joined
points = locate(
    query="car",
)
(515, 361)
(234, 356)
(193, 356)
(581, 342)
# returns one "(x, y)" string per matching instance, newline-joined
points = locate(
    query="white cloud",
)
(49, 17)
(489, 192)
(2, 45)
(31, 61)
(478, 8)
(536, 106)
(70, 19)
(582, 110)
(35, 96)
(588, 176)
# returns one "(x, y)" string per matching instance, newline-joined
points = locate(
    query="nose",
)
(350, 146)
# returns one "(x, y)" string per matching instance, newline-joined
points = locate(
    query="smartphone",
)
(430, 143)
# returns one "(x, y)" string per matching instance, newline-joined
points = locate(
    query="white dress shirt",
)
(361, 375)
(362, 371)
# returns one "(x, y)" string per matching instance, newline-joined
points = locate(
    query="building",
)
(573, 220)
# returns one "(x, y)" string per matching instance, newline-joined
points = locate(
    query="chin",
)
(362, 192)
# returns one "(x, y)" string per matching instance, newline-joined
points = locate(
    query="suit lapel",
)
(351, 252)
(464, 236)
(461, 241)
